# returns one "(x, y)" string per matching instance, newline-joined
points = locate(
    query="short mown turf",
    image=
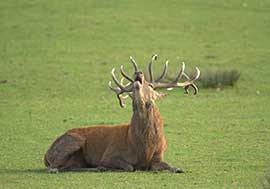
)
(55, 62)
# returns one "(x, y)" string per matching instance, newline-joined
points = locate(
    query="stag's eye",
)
(151, 85)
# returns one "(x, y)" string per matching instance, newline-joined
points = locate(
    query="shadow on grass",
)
(18, 171)
(44, 171)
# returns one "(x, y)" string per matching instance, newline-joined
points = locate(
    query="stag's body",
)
(139, 145)
(128, 147)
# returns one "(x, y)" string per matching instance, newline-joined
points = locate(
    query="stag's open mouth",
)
(138, 79)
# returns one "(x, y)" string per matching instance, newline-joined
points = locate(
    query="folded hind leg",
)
(74, 161)
(64, 153)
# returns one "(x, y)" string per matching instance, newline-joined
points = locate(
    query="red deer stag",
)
(139, 145)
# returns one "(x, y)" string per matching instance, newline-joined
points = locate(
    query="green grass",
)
(56, 57)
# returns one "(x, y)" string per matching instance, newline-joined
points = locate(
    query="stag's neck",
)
(146, 130)
(146, 120)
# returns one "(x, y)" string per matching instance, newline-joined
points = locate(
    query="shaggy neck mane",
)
(146, 130)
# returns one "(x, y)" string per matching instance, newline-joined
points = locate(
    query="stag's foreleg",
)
(114, 159)
(65, 153)
(158, 165)
(115, 163)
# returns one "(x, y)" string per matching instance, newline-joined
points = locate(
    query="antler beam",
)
(174, 83)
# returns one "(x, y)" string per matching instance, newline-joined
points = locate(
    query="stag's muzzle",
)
(138, 76)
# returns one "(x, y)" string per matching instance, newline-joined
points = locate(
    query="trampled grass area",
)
(55, 62)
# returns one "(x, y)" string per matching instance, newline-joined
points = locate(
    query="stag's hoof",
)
(101, 169)
(129, 168)
(177, 170)
(53, 170)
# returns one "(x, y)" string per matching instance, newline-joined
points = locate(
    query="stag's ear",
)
(159, 95)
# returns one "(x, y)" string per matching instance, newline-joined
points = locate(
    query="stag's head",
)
(143, 92)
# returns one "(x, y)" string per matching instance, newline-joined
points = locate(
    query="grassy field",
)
(55, 62)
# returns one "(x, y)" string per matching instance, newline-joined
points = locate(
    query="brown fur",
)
(139, 145)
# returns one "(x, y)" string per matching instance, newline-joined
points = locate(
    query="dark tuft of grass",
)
(218, 78)
(266, 182)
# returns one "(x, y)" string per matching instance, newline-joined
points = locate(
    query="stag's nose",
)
(138, 76)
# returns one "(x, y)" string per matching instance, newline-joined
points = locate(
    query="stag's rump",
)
(86, 146)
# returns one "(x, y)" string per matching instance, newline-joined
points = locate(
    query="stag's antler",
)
(154, 57)
(121, 88)
(135, 68)
(190, 82)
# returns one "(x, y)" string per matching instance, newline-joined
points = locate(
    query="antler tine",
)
(180, 74)
(154, 57)
(116, 89)
(125, 75)
(115, 80)
(198, 72)
(120, 99)
(129, 94)
(120, 89)
(134, 63)
(164, 71)
(193, 86)
(124, 97)
(118, 92)
(122, 83)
